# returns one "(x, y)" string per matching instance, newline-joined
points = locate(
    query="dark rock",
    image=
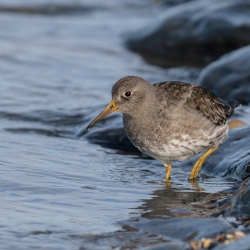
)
(229, 76)
(47, 9)
(241, 200)
(185, 229)
(114, 139)
(241, 244)
(173, 2)
(194, 33)
(109, 133)
(176, 245)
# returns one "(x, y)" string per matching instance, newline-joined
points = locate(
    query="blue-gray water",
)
(56, 72)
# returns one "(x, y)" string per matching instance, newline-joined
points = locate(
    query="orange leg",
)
(197, 166)
(168, 172)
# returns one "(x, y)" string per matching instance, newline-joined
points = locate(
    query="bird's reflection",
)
(171, 201)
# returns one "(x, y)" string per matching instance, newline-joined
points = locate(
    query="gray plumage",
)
(171, 121)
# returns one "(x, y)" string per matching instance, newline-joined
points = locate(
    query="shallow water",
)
(56, 71)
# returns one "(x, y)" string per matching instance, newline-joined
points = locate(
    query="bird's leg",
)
(197, 166)
(168, 171)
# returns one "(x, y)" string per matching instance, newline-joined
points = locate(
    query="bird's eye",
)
(127, 94)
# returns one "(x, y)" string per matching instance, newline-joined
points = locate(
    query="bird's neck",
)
(145, 113)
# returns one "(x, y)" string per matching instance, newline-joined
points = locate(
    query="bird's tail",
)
(234, 104)
(231, 105)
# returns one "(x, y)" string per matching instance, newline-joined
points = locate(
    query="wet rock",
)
(110, 133)
(47, 9)
(184, 228)
(235, 124)
(214, 205)
(172, 2)
(229, 76)
(222, 239)
(176, 245)
(241, 244)
(241, 200)
(194, 33)
(114, 139)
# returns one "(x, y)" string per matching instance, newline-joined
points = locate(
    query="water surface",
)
(59, 191)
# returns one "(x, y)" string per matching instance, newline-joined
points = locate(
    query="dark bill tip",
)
(108, 110)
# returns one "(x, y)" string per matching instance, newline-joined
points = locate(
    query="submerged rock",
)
(109, 133)
(50, 9)
(175, 245)
(172, 2)
(184, 228)
(194, 33)
(241, 200)
(229, 76)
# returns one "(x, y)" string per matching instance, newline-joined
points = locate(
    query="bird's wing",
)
(199, 99)
(205, 102)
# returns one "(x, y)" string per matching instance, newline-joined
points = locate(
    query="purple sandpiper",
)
(172, 120)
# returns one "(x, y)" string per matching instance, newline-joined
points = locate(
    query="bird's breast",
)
(146, 136)
(170, 143)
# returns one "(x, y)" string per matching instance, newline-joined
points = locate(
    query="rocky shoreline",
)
(198, 33)
(214, 35)
(193, 33)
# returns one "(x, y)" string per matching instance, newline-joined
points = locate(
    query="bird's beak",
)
(112, 107)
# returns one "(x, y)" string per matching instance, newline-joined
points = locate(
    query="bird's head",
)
(128, 94)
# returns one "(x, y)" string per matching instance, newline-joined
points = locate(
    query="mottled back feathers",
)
(199, 99)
